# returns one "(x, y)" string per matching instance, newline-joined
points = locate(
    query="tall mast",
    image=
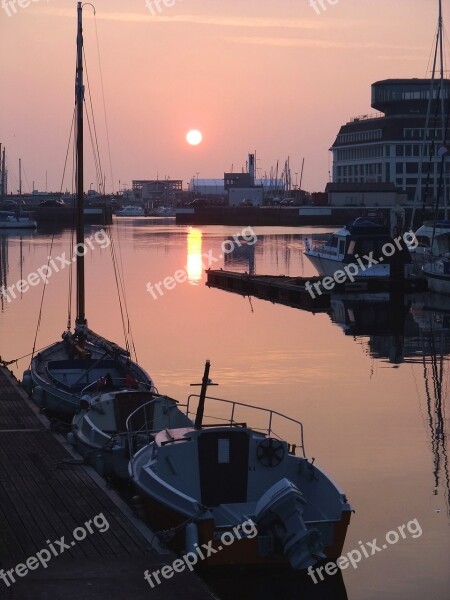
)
(441, 90)
(443, 99)
(79, 97)
(20, 176)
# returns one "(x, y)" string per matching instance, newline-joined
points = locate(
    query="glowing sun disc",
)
(194, 137)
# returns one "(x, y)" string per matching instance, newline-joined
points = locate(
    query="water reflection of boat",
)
(382, 317)
(435, 335)
(394, 324)
(413, 329)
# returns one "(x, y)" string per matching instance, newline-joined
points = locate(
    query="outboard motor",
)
(280, 510)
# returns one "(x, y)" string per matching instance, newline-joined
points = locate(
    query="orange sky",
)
(275, 77)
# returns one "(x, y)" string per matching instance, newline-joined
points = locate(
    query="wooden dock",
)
(45, 495)
(278, 289)
(293, 291)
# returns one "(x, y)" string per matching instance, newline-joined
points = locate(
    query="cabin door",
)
(223, 462)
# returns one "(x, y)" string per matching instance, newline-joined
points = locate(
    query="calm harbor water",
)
(369, 381)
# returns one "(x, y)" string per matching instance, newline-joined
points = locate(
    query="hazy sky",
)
(278, 77)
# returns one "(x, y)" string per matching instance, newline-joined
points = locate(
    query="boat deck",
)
(45, 495)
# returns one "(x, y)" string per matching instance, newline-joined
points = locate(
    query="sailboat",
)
(199, 484)
(434, 236)
(14, 220)
(83, 362)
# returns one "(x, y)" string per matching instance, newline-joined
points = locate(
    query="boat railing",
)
(141, 426)
(118, 383)
(238, 412)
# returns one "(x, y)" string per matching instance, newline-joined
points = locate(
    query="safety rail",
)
(118, 384)
(142, 433)
(270, 414)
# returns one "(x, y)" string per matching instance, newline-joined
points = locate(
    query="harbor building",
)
(402, 144)
(151, 191)
(364, 194)
(242, 187)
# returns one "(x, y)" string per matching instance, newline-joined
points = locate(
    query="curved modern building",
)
(392, 146)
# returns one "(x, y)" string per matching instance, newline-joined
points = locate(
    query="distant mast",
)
(1, 176)
(438, 56)
(3, 189)
(79, 98)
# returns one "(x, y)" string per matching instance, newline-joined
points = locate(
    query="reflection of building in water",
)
(434, 337)
(382, 317)
(392, 326)
(242, 255)
(415, 331)
(194, 263)
(12, 256)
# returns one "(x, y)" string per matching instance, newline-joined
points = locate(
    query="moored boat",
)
(200, 484)
(130, 211)
(437, 273)
(433, 241)
(16, 220)
(61, 373)
(354, 244)
(99, 427)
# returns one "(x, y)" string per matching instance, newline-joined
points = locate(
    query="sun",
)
(194, 137)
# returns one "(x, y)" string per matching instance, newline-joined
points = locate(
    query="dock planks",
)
(43, 497)
(293, 291)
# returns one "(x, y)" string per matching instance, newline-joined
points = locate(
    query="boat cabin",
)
(357, 241)
(227, 469)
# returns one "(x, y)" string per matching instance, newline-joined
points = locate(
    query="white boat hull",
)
(438, 280)
(328, 266)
